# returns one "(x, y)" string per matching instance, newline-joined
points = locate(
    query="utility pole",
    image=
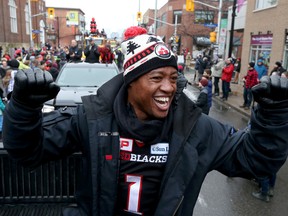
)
(219, 20)
(139, 20)
(232, 29)
(30, 24)
(155, 18)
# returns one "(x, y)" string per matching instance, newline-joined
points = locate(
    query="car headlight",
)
(48, 108)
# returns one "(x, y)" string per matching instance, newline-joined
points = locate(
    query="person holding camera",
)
(92, 52)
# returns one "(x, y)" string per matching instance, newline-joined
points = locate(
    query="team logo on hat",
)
(162, 51)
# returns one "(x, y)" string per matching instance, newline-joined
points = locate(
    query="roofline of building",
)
(65, 8)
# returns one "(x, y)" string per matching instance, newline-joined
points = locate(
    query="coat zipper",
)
(178, 206)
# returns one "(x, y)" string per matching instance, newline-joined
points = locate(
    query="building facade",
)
(64, 25)
(15, 23)
(266, 33)
(57, 29)
(187, 30)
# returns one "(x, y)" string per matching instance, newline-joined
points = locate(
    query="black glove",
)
(271, 92)
(33, 88)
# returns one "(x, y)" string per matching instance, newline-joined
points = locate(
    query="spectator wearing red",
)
(227, 73)
(250, 80)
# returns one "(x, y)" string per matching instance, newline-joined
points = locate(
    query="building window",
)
(204, 16)
(163, 19)
(224, 15)
(285, 61)
(261, 48)
(13, 16)
(261, 4)
(179, 17)
(27, 21)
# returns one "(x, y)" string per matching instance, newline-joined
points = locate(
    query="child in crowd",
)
(207, 74)
(202, 100)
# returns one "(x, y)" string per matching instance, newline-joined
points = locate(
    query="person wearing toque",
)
(147, 147)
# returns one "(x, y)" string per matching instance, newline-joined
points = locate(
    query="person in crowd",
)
(278, 68)
(7, 56)
(207, 74)
(63, 59)
(202, 66)
(146, 147)
(188, 61)
(14, 65)
(266, 187)
(4, 63)
(216, 70)
(34, 64)
(91, 52)
(226, 77)
(106, 53)
(119, 57)
(74, 53)
(237, 70)
(250, 80)
(197, 63)
(261, 69)
(50, 67)
(202, 99)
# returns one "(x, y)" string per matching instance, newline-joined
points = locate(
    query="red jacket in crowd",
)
(227, 72)
(251, 78)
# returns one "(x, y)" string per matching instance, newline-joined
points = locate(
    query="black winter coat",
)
(198, 145)
(77, 54)
(92, 54)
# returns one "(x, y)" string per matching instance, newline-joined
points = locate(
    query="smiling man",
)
(146, 146)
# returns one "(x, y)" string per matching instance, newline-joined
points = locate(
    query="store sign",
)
(261, 39)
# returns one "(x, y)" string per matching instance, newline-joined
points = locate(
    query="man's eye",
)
(156, 78)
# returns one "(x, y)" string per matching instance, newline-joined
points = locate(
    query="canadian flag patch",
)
(126, 144)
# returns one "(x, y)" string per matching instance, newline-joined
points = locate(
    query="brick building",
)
(191, 32)
(266, 32)
(64, 25)
(14, 25)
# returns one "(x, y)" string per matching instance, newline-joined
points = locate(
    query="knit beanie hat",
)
(251, 64)
(144, 52)
(204, 82)
(13, 63)
(278, 63)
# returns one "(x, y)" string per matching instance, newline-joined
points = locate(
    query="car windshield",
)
(85, 76)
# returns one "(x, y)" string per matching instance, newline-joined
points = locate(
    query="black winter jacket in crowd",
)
(77, 54)
(92, 54)
(198, 145)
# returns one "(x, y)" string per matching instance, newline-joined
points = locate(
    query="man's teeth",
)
(162, 99)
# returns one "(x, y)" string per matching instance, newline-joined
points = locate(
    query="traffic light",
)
(51, 12)
(139, 14)
(190, 5)
(213, 36)
(93, 26)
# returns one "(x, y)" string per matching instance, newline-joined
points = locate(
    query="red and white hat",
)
(143, 53)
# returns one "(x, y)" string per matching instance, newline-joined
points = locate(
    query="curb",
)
(232, 106)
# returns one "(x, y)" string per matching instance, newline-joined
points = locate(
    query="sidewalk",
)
(235, 99)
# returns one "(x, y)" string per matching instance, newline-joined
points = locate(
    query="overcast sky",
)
(112, 15)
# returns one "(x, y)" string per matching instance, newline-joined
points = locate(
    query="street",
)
(221, 195)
